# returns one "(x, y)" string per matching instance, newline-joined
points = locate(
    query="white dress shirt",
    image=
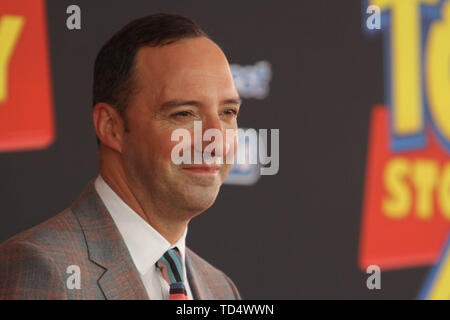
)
(145, 244)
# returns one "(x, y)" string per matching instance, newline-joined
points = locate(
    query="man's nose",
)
(213, 127)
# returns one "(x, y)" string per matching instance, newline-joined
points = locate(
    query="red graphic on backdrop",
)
(406, 208)
(26, 112)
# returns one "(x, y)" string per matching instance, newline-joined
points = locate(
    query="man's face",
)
(177, 84)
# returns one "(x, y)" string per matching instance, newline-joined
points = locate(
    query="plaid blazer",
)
(34, 264)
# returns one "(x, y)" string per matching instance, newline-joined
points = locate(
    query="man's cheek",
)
(166, 149)
(224, 170)
(231, 147)
(173, 150)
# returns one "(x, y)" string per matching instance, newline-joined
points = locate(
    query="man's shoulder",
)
(33, 263)
(58, 232)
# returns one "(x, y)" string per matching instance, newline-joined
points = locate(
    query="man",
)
(124, 237)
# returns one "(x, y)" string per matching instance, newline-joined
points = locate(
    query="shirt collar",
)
(145, 244)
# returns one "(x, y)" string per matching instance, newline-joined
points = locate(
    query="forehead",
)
(193, 66)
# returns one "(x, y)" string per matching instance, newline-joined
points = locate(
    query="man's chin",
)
(199, 198)
(199, 191)
(202, 179)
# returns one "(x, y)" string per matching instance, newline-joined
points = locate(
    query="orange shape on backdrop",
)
(26, 111)
(406, 213)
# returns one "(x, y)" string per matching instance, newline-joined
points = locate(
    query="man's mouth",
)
(203, 169)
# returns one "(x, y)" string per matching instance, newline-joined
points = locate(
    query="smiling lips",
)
(212, 169)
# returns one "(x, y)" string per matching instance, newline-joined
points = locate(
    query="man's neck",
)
(170, 230)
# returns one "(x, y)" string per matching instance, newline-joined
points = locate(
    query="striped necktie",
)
(171, 270)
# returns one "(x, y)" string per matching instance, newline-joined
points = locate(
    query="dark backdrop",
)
(291, 236)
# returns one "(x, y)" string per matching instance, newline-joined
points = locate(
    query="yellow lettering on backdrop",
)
(398, 204)
(444, 192)
(425, 179)
(10, 28)
(405, 57)
(438, 72)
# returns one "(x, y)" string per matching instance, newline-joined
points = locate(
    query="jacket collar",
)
(107, 249)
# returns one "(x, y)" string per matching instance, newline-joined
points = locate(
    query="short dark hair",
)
(114, 65)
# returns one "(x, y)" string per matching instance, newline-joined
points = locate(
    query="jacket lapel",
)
(106, 248)
(197, 280)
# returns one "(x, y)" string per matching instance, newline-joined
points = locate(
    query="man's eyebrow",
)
(237, 101)
(179, 102)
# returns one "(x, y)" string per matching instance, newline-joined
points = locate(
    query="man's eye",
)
(181, 114)
(230, 112)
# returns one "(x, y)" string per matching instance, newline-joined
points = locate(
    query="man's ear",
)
(109, 126)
